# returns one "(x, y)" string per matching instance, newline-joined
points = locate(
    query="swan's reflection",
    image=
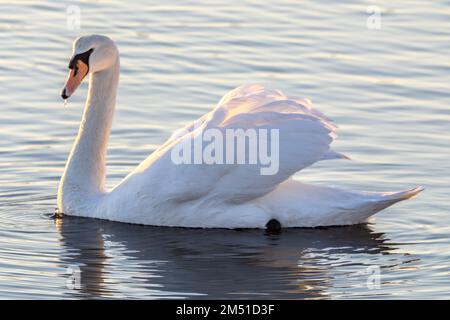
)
(122, 260)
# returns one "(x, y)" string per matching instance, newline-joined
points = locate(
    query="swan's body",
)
(160, 192)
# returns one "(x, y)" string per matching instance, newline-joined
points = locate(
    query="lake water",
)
(386, 88)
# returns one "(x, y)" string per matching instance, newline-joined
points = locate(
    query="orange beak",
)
(76, 76)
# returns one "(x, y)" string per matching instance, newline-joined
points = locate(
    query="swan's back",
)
(161, 192)
(305, 135)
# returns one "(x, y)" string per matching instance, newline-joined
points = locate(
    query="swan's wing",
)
(304, 137)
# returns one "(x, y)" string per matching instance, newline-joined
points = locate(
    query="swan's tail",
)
(402, 195)
(296, 204)
(380, 201)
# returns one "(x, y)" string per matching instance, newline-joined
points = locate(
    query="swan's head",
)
(92, 53)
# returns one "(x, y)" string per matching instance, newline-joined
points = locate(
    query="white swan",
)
(162, 193)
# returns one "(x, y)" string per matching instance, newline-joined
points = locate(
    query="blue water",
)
(387, 89)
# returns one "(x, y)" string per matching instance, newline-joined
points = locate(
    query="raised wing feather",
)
(305, 135)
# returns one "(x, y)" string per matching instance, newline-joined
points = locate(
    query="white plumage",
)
(160, 192)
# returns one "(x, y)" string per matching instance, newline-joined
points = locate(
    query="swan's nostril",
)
(273, 225)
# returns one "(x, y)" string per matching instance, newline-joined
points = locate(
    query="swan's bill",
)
(79, 68)
(76, 75)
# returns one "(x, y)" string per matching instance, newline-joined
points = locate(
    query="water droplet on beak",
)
(65, 103)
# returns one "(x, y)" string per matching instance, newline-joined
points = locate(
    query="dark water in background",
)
(387, 89)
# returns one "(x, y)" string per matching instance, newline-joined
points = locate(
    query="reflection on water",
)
(199, 263)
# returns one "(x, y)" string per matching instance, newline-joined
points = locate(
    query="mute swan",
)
(162, 192)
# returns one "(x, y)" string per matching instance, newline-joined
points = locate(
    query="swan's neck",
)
(85, 170)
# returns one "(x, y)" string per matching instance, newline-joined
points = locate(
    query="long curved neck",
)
(85, 170)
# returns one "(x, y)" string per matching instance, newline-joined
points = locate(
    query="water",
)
(387, 89)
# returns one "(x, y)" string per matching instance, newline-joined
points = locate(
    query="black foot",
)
(57, 214)
(273, 225)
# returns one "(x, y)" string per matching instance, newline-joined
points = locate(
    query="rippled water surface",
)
(388, 89)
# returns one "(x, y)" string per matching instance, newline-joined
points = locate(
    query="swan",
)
(162, 192)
